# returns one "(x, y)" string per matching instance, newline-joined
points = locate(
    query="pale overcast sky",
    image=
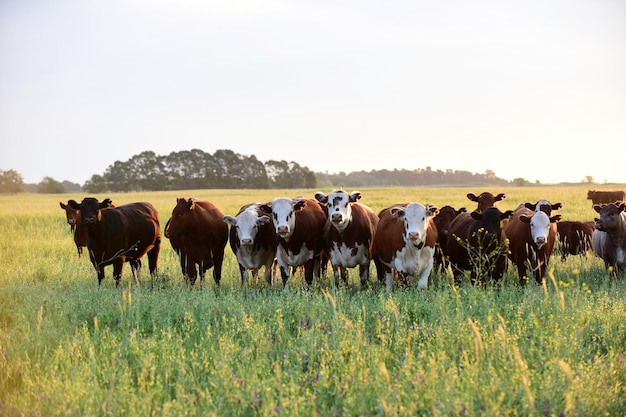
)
(533, 89)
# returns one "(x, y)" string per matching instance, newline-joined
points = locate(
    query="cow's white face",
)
(339, 210)
(416, 218)
(247, 224)
(284, 216)
(539, 228)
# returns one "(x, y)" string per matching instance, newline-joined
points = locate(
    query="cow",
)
(299, 227)
(609, 238)
(74, 220)
(405, 241)
(531, 236)
(120, 234)
(348, 233)
(485, 200)
(442, 222)
(543, 205)
(475, 244)
(574, 237)
(253, 241)
(198, 235)
(605, 197)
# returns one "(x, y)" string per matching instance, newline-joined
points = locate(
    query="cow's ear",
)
(106, 203)
(73, 204)
(530, 206)
(398, 212)
(266, 208)
(476, 215)
(263, 220)
(230, 220)
(524, 218)
(506, 214)
(597, 208)
(191, 204)
(461, 210)
(557, 206)
(355, 196)
(500, 197)
(555, 219)
(472, 197)
(621, 207)
(299, 205)
(63, 206)
(431, 210)
(321, 197)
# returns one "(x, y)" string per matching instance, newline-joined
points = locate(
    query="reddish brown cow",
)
(78, 231)
(574, 237)
(348, 233)
(485, 200)
(475, 244)
(442, 222)
(198, 235)
(116, 235)
(609, 238)
(299, 225)
(253, 241)
(405, 241)
(604, 197)
(531, 235)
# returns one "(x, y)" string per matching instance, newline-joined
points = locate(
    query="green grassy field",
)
(71, 347)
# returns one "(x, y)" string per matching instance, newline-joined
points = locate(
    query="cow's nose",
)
(283, 229)
(337, 218)
(414, 235)
(246, 242)
(90, 220)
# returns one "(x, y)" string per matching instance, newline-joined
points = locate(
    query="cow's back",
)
(309, 228)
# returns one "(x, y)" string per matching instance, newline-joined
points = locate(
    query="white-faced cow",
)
(531, 236)
(405, 241)
(348, 233)
(198, 235)
(299, 225)
(253, 241)
(609, 239)
(116, 235)
(485, 200)
(543, 205)
(475, 244)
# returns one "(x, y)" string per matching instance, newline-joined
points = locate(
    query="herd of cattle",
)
(405, 241)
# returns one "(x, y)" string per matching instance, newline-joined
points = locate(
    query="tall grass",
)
(71, 347)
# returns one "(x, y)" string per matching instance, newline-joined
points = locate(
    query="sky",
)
(532, 89)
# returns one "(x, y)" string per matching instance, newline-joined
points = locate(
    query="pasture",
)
(71, 347)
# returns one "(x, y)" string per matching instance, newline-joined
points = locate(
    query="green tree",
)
(50, 186)
(11, 182)
(96, 184)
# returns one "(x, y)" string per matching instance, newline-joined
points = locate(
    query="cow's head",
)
(491, 221)
(539, 226)
(182, 215)
(485, 200)
(338, 207)
(283, 212)
(543, 205)
(71, 215)
(90, 209)
(416, 218)
(247, 224)
(610, 216)
(444, 217)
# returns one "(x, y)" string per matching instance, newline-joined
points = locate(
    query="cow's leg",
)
(218, 259)
(118, 267)
(309, 268)
(337, 273)
(364, 274)
(268, 271)
(284, 273)
(191, 272)
(381, 270)
(243, 272)
(100, 272)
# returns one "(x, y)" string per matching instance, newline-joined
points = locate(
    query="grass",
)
(71, 347)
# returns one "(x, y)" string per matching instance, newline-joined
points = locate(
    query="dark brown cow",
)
(78, 231)
(198, 234)
(120, 234)
(253, 241)
(574, 237)
(299, 225)
(405, 241)
(442, 222)
(475, 244)
(485, 200)
(348, 233)
(531, 235)
(609, 238)
(604, 197)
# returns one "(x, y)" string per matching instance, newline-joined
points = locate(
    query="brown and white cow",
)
(198, 235)
(609, 238)
(531, 236)
(442, 222)
(348, 233)
(605, 197)
(73, 218)
(574, 237)
(543, 205)
(485, 200)
(299, 226)
(120, 234)
(253, 241)
(405, 241)
(475, 243)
